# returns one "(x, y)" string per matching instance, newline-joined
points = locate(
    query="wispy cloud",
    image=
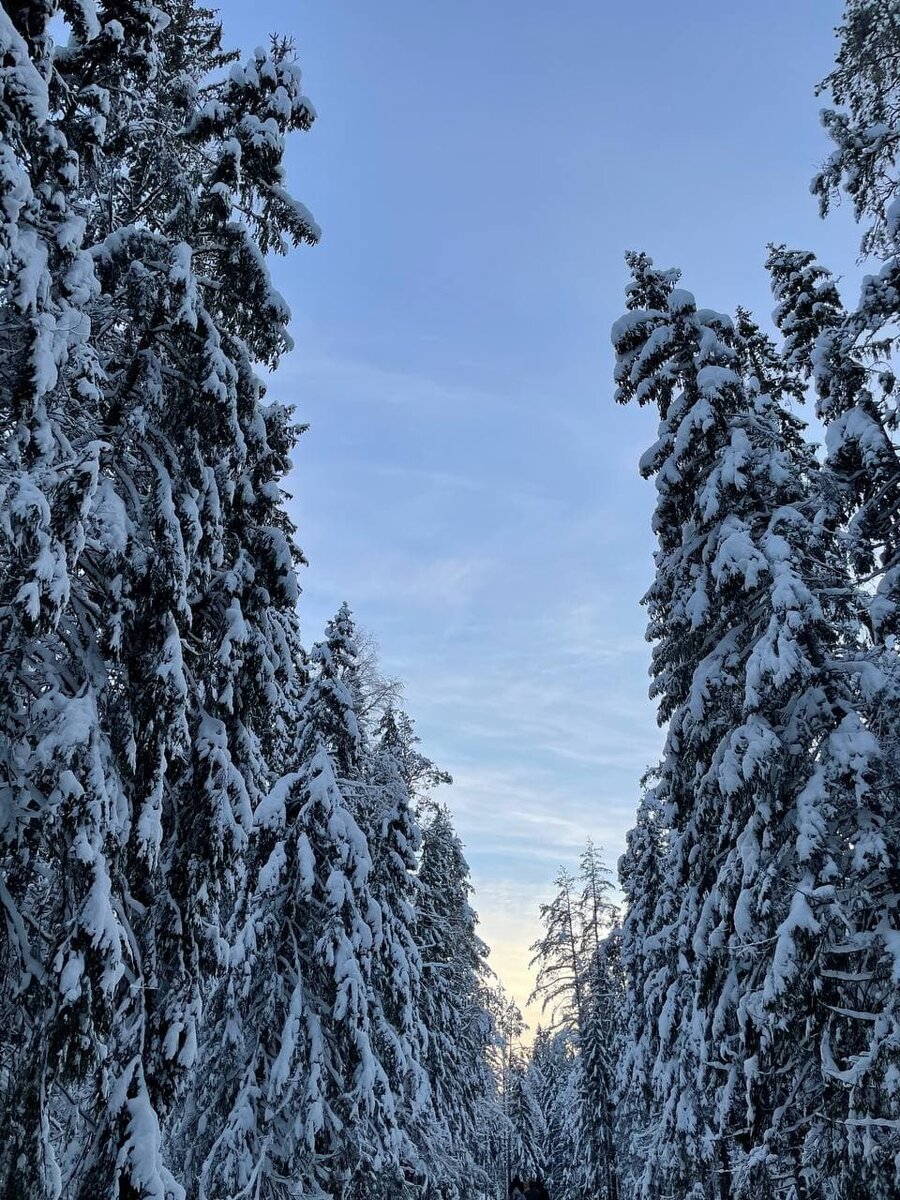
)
(546, 727)
(321, 375)
(506, 601)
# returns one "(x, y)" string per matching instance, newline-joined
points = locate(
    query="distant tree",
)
(559, 955)
(553, 1057)
(601, 1029)
(647, 930)
(466, 1114)
(577, 979)
(378, 693)
(523, 1087)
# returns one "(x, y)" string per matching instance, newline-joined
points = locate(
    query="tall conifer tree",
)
(303, 1100)
(454, 974)
(768, 764)
(163, 597)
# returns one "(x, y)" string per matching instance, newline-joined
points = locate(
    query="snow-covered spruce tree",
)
(769, 786)
(397, 736)
(413, 775)
(864, 121)
(847, 354)
(674, 1147)
(329, 708)
(601, 1028)
(561, 986)
(400, 1036)
(190, 197)
(173, 628)
(523, 1090)
(643, 950)
(465, 1112)
(553, 1058)
(504, 1051)
(302, 1101)
(852, 360)
(397, 779)
(807, 301)
(600, 1045)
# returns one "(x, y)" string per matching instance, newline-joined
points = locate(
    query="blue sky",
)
(467, 483)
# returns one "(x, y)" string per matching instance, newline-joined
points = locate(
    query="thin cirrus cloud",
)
(546, 746)
(506, 602)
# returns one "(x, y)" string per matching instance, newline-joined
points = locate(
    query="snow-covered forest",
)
(240, 959)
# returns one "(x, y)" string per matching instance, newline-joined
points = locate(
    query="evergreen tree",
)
(553, 1057)
(151, 559)
(578, 979)
(647, 928)
(465, 1110)
(503, 1055)
(600, 1033)
(397, 736)
(854, 352)
(329, 708)
(523, 1089)
(769, 776)
(187, 197)
(396, 777)
(303, 1100)
(853, 358)
(400, 1036)
(864, 122)
(807, 302)
(559, 955)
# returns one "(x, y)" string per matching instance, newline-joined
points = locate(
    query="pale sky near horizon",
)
(467, 483)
